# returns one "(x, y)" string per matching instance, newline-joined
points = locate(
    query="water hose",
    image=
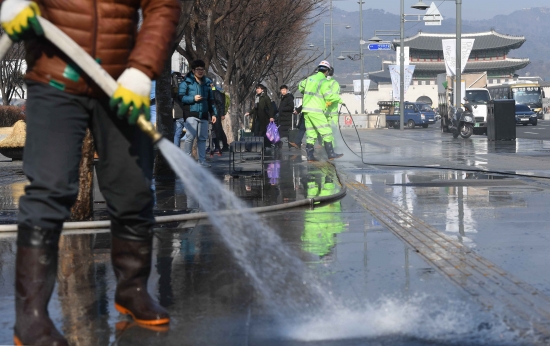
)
(311, 202)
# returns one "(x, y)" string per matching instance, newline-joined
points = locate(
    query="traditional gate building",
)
(490, 53)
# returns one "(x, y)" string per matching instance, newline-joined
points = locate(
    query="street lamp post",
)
(342, 57)
(419, 6)
(402, 69)
(362, 77)
(325, 39)
(458, 87)
(331, 56)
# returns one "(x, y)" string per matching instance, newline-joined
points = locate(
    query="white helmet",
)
(325, 64)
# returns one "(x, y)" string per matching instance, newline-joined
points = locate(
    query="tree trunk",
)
(83, 208)
(226, 124)
(236, 113)
(165, 122)
(82, 290)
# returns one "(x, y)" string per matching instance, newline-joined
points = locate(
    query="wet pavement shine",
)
(439, 241)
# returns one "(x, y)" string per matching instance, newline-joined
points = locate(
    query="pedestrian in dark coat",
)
(286, 107)
(262, 113)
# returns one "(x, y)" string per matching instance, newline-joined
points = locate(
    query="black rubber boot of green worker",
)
(309, 152)
(330, 151)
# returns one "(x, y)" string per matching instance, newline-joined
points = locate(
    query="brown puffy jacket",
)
(107, 30)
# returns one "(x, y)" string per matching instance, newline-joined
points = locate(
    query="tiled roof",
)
(475, 66)
(472, 66)
(382, 76)
(483, 41)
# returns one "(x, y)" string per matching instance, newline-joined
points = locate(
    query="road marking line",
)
(533, 133)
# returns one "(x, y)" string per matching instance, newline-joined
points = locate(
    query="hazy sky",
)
(471, 9)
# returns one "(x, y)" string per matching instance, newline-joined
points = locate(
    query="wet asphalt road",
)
(541, 131)
(390, 292)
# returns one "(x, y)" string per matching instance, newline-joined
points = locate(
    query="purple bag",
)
(273, 171)
(273, 133)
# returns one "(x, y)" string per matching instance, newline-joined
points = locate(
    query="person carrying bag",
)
(262, 114)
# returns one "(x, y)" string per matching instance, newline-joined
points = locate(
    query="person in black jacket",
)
(286, 107)
(262, 113)
(219, 98)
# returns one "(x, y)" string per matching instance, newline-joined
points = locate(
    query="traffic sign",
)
(380, 46)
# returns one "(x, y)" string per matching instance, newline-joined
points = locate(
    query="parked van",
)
(416, 114)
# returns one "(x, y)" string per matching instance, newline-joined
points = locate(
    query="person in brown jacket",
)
(62, 103)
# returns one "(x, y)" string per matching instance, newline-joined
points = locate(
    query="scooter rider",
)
(458, 112)
(62, 103)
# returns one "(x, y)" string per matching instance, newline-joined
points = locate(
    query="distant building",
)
(490, 53)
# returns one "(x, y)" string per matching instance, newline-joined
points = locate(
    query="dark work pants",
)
(56, 125)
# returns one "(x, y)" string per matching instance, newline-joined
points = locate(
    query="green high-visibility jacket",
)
(317, 92)
(322, 224)
(332, 110)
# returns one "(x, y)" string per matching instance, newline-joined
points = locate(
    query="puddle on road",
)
(455, 198)
(9, 195)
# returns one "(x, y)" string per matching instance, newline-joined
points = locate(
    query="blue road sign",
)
(380, 46)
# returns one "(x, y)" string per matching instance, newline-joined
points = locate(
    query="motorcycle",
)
(463, 122)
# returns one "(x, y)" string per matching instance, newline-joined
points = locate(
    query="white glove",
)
(18, 18)
(132, 95)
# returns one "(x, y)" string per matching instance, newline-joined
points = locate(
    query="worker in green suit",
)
(318, 96)
(322, 224)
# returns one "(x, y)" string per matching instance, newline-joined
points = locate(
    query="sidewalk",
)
(408, 257)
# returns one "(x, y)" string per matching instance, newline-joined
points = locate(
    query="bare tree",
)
(245, 42)
(12, 74)
(257, 41)
(291, 65)
(200, 32)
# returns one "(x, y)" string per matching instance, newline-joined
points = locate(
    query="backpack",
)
(175, 80)
(178, 110)
(219, 99)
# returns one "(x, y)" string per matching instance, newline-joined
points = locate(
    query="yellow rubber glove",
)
(18, 19)
(132, 95)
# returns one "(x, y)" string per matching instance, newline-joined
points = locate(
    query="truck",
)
(475, 92)
(416, 114)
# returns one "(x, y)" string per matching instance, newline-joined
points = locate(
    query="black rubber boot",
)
(330, 151)
(309, 152)
(35, 274)
(132, 266)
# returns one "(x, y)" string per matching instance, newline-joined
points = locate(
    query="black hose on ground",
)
(309, 202)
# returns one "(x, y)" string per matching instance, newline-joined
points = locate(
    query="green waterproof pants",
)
(316, 123)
